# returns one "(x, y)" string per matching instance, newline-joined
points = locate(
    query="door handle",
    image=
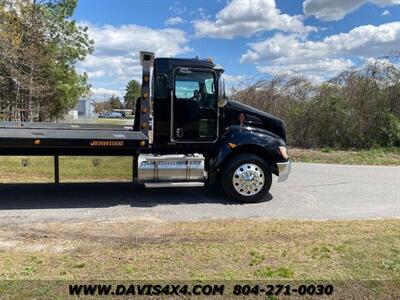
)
(179, 132)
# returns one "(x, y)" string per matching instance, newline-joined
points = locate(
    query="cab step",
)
(151, 185)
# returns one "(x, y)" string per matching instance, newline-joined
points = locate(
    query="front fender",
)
(245, 139)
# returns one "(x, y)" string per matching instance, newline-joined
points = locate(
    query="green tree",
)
(39, 46)
(67, 44)
(132, 93)
(114, 103)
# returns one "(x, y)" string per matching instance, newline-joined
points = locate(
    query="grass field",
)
(74, 169)
(341, 253)
(363, 256)
(115, 121)
(377, 156)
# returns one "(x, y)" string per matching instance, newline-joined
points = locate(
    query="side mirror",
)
(222, 99)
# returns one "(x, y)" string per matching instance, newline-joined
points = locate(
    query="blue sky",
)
(313, 38)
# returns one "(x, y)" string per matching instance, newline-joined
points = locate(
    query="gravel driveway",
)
(312, 192)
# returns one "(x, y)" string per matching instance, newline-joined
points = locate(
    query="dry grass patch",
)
(214, 249)
(377, 156)
(30, 169)
(209, 250)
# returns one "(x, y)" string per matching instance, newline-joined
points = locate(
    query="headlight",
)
(283, 151)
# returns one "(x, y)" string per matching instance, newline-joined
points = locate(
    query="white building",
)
(86, 108)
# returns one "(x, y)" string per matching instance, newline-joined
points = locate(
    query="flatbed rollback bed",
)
(69, 139)
(198, 135)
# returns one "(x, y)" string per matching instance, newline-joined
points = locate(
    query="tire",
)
(247, 178)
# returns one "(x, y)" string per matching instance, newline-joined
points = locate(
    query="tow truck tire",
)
(247, 178)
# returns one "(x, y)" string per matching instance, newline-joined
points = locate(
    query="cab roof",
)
(166, 65)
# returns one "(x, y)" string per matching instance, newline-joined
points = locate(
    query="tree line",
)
(132, 93)
(360, 108)
(39, 46)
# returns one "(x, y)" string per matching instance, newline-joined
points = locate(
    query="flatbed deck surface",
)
(60, 126)
(95, 139)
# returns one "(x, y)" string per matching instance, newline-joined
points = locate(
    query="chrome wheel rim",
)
(248, 179)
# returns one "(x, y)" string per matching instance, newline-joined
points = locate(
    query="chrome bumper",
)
(284, 170)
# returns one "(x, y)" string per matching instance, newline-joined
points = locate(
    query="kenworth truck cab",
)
(198, 136)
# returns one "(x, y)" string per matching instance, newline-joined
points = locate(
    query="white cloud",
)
(316, 71)
(116, 55)
(386, 12)
(234, 83)
(322, 59)
(132, 38)
(328, 10)
(381, 63)
(234, 79)
(101, 94)
(96, 74)
(177, 8)
(117, 67)
(174, 21)
(247, 17)
(200, 12)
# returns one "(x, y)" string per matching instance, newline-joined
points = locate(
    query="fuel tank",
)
(171, 168)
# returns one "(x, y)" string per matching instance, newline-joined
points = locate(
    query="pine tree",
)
(132, 93)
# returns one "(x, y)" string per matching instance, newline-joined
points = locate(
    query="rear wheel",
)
(247, 178)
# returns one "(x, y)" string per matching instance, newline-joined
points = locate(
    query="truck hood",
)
(256, 118)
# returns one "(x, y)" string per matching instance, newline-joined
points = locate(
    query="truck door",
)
(194, 106)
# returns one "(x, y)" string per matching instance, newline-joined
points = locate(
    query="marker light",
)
(283, 151)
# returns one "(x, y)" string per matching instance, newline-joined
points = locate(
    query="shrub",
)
(360, 108)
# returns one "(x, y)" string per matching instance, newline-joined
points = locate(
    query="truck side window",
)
(186, 89)
(196, 86)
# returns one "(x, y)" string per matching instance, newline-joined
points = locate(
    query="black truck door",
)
(194, 106)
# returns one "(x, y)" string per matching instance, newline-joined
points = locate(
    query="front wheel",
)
(247, 178)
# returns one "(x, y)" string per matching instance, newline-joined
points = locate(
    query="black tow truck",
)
(198, 136)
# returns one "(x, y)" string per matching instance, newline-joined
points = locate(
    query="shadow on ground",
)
(100, 195)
